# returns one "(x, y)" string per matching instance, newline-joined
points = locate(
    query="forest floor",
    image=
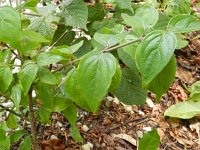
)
(118, 126)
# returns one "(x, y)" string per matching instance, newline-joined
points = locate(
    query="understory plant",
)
(57, 56)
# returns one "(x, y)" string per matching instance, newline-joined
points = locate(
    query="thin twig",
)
(11, 111)
(69, 63)
(17, 56)
(52, 46)
(105, 50)
(122, 45)
(33, 122)
(31, 14)
(129, 121)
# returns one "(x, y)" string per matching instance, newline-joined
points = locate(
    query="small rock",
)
(147, 129)
(59, 124)
(139, 134)
(85, 128)
(62, 129)
(53, 137)
(109, 98)
(149, 103)
(141, 112)
(85, 147)
(90, 144)
(103, 144)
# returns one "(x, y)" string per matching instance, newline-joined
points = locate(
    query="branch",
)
(105, 50)
(11, 111)
(33, 122)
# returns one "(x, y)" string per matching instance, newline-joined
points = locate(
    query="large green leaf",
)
(107, 40)
(161, 83)
(71, 114)
(148, 14)
(130, 91)
(60, 104)
(124, 5)
(150, 141)
(44, 115)
(75, 13)
(30, 4)
(25, 144)
(16, 95)
(27, 75)
(47, 58)
(6, 77)
(46, 24)
(4, 140)
(96, 12)
(10, 26)
(16, 135)
(116, 78)
(11, 121)
(195, 91)
(131, 83)
(184, 23)
(135, 22)
(184, 110)
(44, 93)
(154, 53)
(46, 76)
(71, 90)
(69, 49)
(95, 72)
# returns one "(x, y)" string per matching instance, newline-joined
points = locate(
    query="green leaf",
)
(6, 78)
(95, 72)
(135, 22)
(116, 78)
(124, 5)
(17, 135)
(4, 140)
(74, 132)
(184, 110)
(69, 49)
(75, 13)
(150, 141)
(47, 58)
(181, 41)
(130, 89)
(162, 22)
(71, 90)
(25, 144)
(96, 12)
(154, 53)
(44, 93)
(68, 37)
(161, 83)
(148, 14)
(60, 104)
(47, 77)
(195, 91)
(27, 76)
(34, 36)
(44, 115)
(107, 40)
(16, 95)
(46, 24)
(184, 23)
(10, 26)
(71, 114)
(11, 121)
(30, 4)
